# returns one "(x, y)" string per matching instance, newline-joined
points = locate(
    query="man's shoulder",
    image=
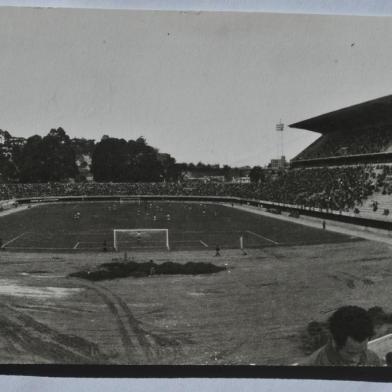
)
(318, 358)
(321, 358)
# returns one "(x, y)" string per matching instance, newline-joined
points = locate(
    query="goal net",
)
(128, 239)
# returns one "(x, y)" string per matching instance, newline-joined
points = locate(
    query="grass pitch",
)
(192, 226)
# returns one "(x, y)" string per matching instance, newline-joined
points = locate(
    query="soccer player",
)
(168, 217)
(152, 268)
(105, 246)
(217, 250)
(351, 328)
(324, 224)
(138, 237)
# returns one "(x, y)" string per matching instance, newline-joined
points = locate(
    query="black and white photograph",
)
(195, 188)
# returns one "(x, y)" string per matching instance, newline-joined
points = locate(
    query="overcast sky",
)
(201, 86)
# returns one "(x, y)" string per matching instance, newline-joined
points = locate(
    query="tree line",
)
(56, 158)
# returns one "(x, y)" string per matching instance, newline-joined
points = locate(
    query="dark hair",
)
(350, 321)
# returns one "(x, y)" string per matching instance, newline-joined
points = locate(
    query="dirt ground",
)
(252, 313)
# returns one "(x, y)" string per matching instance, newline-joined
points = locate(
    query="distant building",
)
(4, 137)
(203, 176)
(241, 180)
(240, 175)
(8, 143)
(278, 164)
(83, 162)
(17, 141)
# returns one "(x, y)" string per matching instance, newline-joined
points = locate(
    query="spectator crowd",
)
(339, 143)
(337, 188)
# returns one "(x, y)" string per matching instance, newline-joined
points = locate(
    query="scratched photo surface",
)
(192, 188)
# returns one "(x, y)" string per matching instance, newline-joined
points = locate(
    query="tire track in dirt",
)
(130, 346)
(133, 325)
(139, 345)
(27, 335)
(155, 345)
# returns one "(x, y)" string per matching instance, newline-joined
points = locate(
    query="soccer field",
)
(191, 226)
(252, 312)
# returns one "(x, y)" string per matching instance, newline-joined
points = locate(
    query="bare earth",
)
(253, 313)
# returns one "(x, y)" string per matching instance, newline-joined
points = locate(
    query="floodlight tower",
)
(280, 128)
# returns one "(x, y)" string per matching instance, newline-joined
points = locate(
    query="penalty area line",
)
(13, 239)
(261, 236)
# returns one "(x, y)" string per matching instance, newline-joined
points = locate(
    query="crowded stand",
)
(338, 188)
(384, 179)
(333, 144)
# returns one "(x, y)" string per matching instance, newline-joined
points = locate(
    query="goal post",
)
(128, 239)
(251, 239)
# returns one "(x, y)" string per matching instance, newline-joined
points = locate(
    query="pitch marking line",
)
(260, 236)
(89, 242)
(13, 239)
(35, 248)
(186, 242)
(76, 245)
(204, 244)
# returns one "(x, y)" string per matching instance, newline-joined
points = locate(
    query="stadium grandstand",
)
(356, 134)
(355, 147)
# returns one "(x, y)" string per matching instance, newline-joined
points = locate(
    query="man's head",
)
(351, 327)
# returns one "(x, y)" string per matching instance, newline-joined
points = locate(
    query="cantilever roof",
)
(377, 112)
